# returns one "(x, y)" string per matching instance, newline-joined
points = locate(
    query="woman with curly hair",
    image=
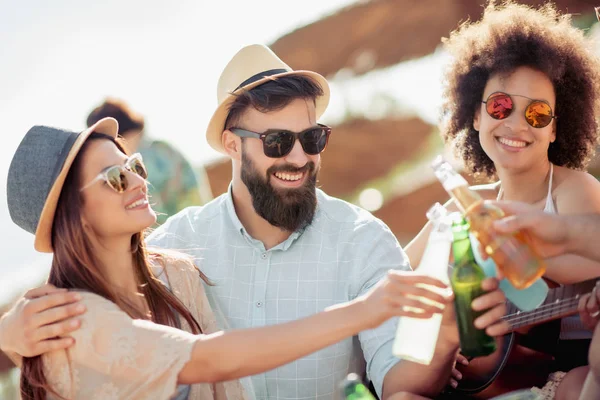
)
(521, 108)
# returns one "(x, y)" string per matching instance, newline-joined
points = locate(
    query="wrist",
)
(2, 344)
(573, 229)
(354, 315)
(365, 318)
(448, 338)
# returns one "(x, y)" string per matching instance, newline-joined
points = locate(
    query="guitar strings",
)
(545, 313)
(545, 306)
(516, 323)
(543, 310)
(555, 302)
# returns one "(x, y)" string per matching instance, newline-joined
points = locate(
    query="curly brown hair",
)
(507, 37)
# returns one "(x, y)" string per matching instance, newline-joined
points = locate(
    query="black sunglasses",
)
(538, 113)
(279, 142)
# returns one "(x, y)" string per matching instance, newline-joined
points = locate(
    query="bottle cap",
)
(457, 218)
(436, 212)
(349, 383)
(438, 162)
(438, 215)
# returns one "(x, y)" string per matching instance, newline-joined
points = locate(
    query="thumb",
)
(510, 224)
(42, 291)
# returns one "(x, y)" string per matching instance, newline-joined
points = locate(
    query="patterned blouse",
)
(116, 357)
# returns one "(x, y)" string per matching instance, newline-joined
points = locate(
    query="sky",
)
(61, 58)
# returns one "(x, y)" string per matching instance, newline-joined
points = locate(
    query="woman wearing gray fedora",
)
(149, 331)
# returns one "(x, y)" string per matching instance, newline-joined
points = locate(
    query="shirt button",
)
(259, 304)
(264, 256)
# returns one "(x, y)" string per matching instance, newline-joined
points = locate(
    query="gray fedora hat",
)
(37, 173)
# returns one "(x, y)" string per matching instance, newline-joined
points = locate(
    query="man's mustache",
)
(309, 166)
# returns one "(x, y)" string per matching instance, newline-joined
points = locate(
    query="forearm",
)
(229, 355)
(582, 235)
(571, 268)
(424, 380)
(591, 388)
(416, 247)
(7, 358)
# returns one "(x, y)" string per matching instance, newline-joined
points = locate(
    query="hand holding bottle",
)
(547, 232)
(513, 253)
(493, 305)
(401, 293)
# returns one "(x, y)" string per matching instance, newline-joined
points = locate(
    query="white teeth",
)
(512, 143)
(288, 177)
(136, 204)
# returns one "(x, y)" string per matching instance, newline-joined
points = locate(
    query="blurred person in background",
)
(174, 183)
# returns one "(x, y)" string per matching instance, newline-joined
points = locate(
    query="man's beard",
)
(288, 209)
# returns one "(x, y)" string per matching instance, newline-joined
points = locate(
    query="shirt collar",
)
(231, 210)
(240, 228)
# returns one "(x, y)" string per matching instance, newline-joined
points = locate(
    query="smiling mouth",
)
(137, 203)
(290, 177)
(513, 142)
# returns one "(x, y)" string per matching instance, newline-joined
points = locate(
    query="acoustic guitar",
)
(522, 361)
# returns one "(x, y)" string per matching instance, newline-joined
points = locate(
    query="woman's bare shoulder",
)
(566, 179)
(575, 191)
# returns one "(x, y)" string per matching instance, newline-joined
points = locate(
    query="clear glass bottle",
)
(416, 338)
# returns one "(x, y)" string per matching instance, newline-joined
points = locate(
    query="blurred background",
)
(61, 59)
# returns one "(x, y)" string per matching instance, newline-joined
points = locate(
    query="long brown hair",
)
(74, 266)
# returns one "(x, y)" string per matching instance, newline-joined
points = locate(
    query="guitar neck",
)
(560, 302)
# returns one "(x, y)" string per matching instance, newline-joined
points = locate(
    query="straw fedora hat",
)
(252, 66)
(37, 173)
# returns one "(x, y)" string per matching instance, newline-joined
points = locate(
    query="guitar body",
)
(482, 371)
(523, 360)
(514, 365)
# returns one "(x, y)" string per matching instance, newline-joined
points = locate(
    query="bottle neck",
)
(465, 198)
(457, 187)
(462, 250)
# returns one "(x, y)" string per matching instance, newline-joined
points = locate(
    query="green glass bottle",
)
(354, 389)
(466, 281)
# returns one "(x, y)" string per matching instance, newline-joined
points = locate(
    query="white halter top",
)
(549, 208)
